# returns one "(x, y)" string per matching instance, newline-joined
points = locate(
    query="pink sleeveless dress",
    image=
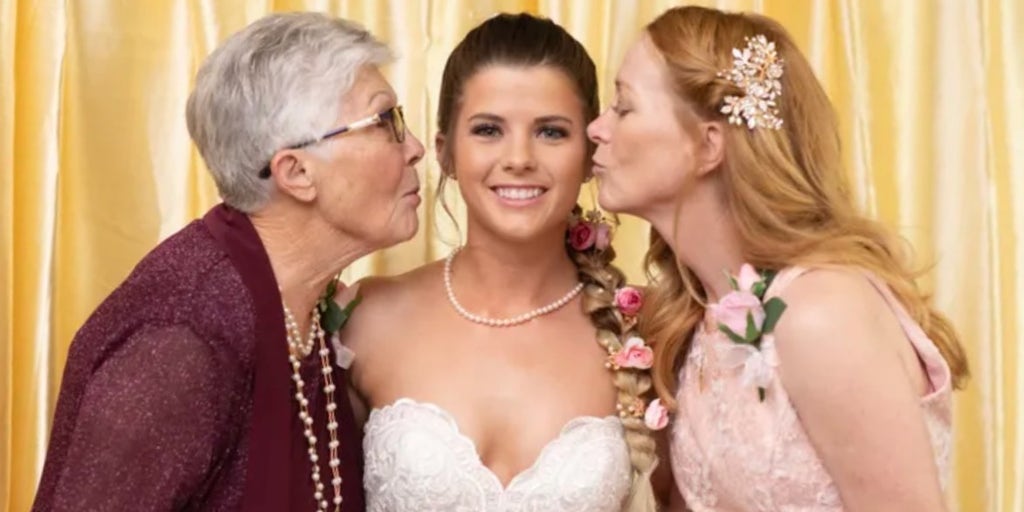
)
(731, 452)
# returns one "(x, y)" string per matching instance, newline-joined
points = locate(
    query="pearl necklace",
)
(301, 348)
(501, 322)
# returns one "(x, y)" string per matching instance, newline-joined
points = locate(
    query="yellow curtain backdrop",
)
(96, 167)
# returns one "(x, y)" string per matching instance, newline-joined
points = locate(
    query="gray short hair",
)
(277, 82)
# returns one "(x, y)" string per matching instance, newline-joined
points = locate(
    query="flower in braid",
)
(612, 307)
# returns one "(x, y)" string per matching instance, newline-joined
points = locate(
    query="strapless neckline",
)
(468, 441)
(418, 459)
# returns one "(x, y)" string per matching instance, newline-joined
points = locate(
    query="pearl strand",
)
(303, 347)
(501, 322)
(299, 346)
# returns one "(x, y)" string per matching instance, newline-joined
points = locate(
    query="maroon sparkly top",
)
(177, 394)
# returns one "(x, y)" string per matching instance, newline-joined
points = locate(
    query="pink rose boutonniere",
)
(747, 319)
(734, 310)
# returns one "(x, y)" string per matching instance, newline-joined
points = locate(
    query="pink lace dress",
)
(731, 452)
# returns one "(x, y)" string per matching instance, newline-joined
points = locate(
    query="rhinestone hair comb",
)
(756, 69)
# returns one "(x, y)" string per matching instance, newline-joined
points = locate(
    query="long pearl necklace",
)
(501, 322)
(299, 348)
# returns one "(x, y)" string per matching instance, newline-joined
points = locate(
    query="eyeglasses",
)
(392, 116)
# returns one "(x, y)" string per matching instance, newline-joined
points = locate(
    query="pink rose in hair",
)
(582, 236)
(656, 416)
(635, 354)
(604, 236)
(628, 300)
(732, 311)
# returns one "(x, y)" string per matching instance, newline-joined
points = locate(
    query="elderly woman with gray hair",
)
(204, 382)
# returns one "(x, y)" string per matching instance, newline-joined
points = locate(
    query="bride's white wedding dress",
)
(418, 460)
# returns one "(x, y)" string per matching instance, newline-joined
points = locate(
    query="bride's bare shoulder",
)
(388, 302)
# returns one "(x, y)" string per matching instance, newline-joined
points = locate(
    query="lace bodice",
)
(418, 460)
(731, 452)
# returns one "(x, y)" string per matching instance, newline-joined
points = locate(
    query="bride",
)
(500, 379)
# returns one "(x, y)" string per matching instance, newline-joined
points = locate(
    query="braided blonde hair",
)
(601, 280)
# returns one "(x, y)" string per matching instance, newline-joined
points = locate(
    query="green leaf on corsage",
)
(752, 333)
(732, 281)
(731, 335)
(758, 289)
(334, 318)
(772, 312)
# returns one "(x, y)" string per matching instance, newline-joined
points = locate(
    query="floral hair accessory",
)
(628, 300)
(635, 409)
(604, 236)
(656, 415)
(747, 319)
(634, 354)
(591, 231)
(756, 69)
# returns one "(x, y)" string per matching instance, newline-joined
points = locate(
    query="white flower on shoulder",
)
(343, 356)
(758, 365)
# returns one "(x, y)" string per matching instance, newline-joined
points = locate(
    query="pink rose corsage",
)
(746, 318)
